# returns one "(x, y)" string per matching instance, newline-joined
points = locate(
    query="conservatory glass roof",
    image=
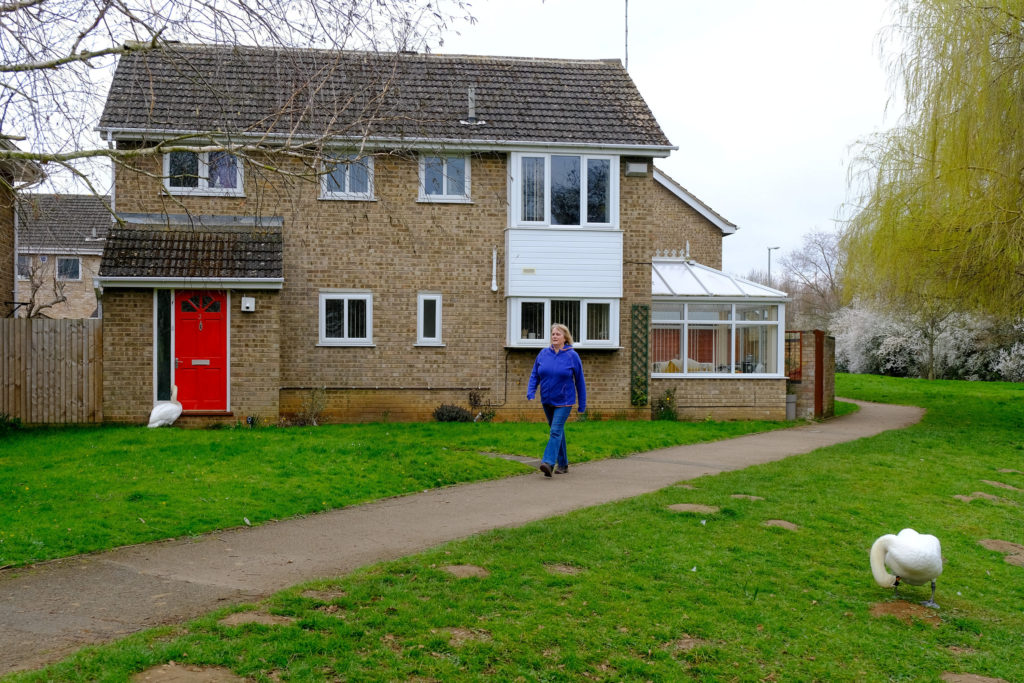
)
(679, 277)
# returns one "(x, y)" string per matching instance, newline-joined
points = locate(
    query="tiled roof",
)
(67, 223)
(390, 96)
(193, 252)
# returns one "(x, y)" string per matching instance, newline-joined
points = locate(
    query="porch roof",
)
(681, 277)
(149, 247)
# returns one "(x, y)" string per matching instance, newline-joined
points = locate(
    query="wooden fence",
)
(51, 371)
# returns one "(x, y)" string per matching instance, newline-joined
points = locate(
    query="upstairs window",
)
(564, 190)
(69, 268)
(444, 179)
(347, 176)
(208, 173)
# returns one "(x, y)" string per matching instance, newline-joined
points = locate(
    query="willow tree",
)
(941, 222)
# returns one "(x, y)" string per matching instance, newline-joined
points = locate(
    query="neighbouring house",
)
(60, 239)
(469, 202)
(12, 172)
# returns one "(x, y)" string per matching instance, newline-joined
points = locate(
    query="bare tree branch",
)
(57, 56)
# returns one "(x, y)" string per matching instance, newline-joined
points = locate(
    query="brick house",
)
(60, 240)
(468, 203)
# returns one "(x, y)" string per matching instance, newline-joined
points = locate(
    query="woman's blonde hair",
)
(565, 332)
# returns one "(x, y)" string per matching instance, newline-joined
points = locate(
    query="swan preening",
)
(912, 557)
(166, 412)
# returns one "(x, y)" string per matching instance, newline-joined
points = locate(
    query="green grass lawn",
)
(636, 591)
(75, 490)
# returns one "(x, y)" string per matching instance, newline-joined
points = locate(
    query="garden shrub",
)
(450, 413)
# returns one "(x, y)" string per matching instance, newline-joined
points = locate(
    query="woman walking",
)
(559, 373)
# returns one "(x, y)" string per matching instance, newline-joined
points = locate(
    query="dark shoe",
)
(546, 469)
(563, 469)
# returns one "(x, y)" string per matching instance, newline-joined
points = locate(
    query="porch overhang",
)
(194, 252)
(102, 283)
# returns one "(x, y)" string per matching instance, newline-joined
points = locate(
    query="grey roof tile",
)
(235, 90)
(69, 223)
(175, 251)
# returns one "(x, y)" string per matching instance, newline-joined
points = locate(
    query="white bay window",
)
(592, 322)
(564, 189)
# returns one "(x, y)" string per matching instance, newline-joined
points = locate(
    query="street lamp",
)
(770, 250)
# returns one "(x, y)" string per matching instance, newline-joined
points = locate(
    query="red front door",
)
(200, 349)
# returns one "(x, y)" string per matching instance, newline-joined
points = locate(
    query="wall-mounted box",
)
(636, 168)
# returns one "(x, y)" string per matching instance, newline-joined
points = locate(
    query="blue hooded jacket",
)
(560, 376)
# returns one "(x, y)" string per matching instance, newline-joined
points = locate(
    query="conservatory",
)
(707, 324)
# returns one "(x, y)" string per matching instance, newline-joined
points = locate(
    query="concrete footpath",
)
(48, 611)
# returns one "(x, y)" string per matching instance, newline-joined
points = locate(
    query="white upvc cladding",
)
(572, 262)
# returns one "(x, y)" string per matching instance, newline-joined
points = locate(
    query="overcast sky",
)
(765, 100)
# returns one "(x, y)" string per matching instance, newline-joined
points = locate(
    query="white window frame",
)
(24, 270)
(731, 325)
(515, 308)
(516, 189)
(346, 159)
(61, 278)
(203, 183)
(445, 197)
(345, 295)
(421, 299)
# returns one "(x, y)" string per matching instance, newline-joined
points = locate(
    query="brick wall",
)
(127, 355)
(256, 357)
(675, 223)
(725, 399)
(811, 373)
(396, 247)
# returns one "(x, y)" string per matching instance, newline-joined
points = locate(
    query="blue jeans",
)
(554, 452)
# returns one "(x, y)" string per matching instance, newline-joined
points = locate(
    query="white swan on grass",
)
(913, 558)
(166, 412)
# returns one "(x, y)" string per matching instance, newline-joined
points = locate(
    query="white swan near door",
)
(166, 412)
(913, 558)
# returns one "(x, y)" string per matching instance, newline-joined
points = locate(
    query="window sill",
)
(440, 199)
(431, 345)
(596, 228)
(714, 375)
(186, 192)
(347, 344)
(343, 198)
(576, 347)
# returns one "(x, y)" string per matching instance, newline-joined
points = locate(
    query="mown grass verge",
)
(638, 591)
(77, 490)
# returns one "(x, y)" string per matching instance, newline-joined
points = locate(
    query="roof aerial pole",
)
(627, 35)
